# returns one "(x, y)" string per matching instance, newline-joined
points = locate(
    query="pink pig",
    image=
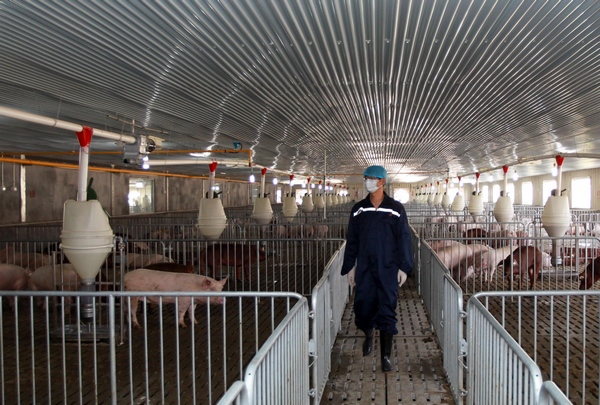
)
(13, 278)
(154, 280)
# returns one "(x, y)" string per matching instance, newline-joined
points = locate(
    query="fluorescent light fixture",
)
(145, 166)
(516, 176)
(252, 179)
(275, 181)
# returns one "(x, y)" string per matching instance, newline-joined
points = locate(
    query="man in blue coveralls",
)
(378, 259)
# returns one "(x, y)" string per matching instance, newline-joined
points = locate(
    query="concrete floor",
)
(419, 375)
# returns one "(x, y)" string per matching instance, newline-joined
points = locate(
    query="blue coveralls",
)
(379, 243)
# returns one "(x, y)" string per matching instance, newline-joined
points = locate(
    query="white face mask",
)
(371, 185)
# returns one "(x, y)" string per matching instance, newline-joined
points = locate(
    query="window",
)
(547, 188)
(300, 193)
(278, 195)
(581, 193)
(401, 194)
(452, 190)
(527, 193)
(140, 196)
(495, 192)
(485, 193)
(255, 190)
(510, 189)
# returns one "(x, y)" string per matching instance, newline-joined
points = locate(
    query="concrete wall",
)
(46, 189)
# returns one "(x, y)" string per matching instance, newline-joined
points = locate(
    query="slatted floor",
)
(418, 377)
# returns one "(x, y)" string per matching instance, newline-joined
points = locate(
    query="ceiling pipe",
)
(536, 158)
(69, 126)
(195, 161)
(106, 169)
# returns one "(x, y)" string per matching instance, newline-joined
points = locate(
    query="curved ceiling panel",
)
(422, 87)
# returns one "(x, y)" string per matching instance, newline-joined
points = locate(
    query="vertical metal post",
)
(112, 348)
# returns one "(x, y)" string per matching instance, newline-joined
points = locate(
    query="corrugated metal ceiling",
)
(421, 87)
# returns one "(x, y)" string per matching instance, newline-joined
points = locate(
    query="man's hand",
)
(401, 278)
(351, 280)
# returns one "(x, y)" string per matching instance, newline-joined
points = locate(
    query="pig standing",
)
(46, 278)
(485, 262)
(31, 260)
(502, 238)
(231, 254)
(139, 260)
(171, 267)
(154, 280)
(590, 275)
(320, 231)
(474, 235)
(13, 278)
(525, 258)
(301, 231)
(455, 255)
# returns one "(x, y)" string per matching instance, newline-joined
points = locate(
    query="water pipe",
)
(263, 176)
(85, 137)
(559, 161)
(211, 179)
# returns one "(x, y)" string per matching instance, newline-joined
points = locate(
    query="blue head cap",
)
(376, 171)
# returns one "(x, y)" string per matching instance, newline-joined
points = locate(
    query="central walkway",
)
(419, 374)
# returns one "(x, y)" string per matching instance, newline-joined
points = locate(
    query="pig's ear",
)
(223, 281)
(207, 282)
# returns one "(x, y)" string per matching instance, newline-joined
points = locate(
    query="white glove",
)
(351, 280)
(401, 278)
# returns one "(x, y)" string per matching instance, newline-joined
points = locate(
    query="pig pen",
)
(159, 363)
(555, 326)
(292, 263)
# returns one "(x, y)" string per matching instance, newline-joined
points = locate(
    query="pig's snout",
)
(217, 300)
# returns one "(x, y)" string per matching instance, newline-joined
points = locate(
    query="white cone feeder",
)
(458, 204)
(504, 210)
(556, 216)
(307, 204)
(319, 201)
(86, 237)
(262, 213)
(307, 201)
(211, 215)
(476, 200)
(290, 209)
(335, 200)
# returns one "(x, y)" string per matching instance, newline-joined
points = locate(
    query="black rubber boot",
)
(386, 340)
(368, 343)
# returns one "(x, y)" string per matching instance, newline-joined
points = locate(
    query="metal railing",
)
(84, 361)
(329, 298)
(279, 372)
(499, 369)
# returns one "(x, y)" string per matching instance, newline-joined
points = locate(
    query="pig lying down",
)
(154, 280)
